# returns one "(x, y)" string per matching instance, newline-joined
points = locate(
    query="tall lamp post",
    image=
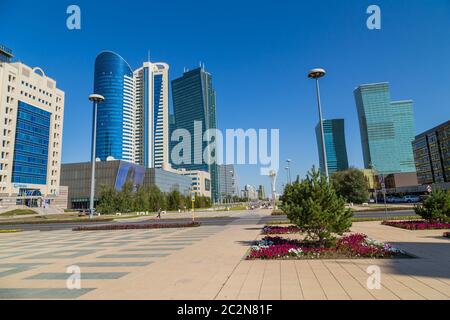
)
(317, 74)
(95, 99)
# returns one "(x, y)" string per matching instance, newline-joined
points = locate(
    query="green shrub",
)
(435, 207)
(313, 205)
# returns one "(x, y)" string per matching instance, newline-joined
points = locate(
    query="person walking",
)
(159, 214)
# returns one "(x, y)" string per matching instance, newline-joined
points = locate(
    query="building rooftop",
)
(6, 51)
(433, 129)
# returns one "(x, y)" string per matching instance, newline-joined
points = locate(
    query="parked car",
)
(411, 199)
(394, 200)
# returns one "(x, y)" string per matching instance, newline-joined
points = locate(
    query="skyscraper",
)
(387, 129)
(227, 180)
(335, 145)
(132, 122)
(32, 112)
(152, 114)
(194, 100)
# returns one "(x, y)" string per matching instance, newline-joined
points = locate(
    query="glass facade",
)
(31, 145)
(113, 80)
(432, 155)
(335, 145)
(387, 129)
(194, 99)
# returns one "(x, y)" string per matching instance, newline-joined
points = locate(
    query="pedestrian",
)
(159, 213)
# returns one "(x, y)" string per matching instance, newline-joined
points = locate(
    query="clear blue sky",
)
(258, 52)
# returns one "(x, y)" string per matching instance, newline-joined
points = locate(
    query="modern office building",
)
(250, 193)
(335, 145)
(432, 155)
(194, 102)
(227, 180)
(387, 129)
(31, 113)
(115, 173)
(201, 181)
(132, 122)
(261, 193)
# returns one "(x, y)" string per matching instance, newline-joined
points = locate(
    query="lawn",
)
(18, 212)
(54, 218)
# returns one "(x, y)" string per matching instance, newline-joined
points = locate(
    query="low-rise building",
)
(77, 177)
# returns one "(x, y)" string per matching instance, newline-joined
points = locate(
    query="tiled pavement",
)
(207, 263)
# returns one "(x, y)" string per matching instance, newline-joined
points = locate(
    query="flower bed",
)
(351, 246)
(137, 226)
(447, 234)
(417, 225)
(280, 230)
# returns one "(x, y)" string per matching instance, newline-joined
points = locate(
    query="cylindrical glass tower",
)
(113, 79)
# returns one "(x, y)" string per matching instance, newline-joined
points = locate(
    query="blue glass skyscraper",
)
(387, 129)
(132, 122)
(114, 80)
(335, 145)
(194, 100)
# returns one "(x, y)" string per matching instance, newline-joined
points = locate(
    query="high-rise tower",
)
(194, 100)
(335, 145)
(387, 129)
(132, 122)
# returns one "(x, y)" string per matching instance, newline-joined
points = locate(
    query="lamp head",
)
(316, 73)
(96, 98)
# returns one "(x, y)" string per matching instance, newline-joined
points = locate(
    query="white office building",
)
(31, 115)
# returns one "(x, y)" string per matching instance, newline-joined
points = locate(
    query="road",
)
(210, 221)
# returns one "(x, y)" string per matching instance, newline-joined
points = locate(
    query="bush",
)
(351, 185)
(435, 207)
(313, 205)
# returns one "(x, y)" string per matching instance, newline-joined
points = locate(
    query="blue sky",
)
(259, 53)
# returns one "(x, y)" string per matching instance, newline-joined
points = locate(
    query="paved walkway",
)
(207, 263)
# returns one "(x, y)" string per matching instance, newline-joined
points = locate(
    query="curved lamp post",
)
(95, 99)
(317, 74)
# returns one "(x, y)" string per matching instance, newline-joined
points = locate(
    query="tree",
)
(124, 198)
(107, 200)
(351, 185)
(435, 207)
(155, 199)
(140, 201)
(313, 205)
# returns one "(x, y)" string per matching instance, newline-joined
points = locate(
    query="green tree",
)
(313, 205)
(155, 199)
(174, 200)
(141, 199)
(107, 200)
(351, 185)
(435, 207)
(124, 199)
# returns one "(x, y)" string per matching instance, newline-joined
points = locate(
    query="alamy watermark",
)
(236, 146)
(374, 280)
(374, 20)
(73, 21)
(73, 282)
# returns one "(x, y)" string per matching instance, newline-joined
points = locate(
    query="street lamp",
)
(95, 99)
(317, 74)
(287, 175)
